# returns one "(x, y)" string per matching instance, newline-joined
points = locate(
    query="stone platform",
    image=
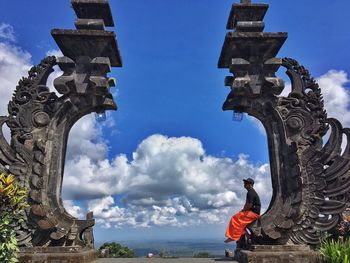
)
(277, 254)
(57, 255)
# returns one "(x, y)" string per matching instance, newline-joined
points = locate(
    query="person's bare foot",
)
(228, 240)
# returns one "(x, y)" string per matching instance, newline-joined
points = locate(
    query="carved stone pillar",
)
(40, 122)
(310, 180)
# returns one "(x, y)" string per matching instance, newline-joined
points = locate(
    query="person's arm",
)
(247, 206)
(249, 202)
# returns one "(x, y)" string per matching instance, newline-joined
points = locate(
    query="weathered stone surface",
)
(89, 43)
(277, 254)
(251, 46)
(250, 26)
(310, 179)
(93, 9)
(94, 24)
(57, 255)
(246, 12)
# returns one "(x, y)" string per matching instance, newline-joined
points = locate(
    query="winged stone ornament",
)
(40, 121)
(310, 177)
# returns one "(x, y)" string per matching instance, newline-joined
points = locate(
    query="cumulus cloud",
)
(169, 181)
(85, 141)
(14, 63)
(336, 95)
(72, 209)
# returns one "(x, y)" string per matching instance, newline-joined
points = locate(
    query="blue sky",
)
(170, 159)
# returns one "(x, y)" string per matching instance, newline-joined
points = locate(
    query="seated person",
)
(249, 213)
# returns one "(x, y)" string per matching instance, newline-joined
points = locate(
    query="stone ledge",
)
(277, 254)
(250, 46)
(94, 9)
(57, 255)
(90, 43)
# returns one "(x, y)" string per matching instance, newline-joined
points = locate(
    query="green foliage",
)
(201, 255)
(12, 202)
(115, 250)
(163, 253)
(335, 251)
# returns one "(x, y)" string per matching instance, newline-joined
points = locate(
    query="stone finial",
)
(93, 9)
(246, 1)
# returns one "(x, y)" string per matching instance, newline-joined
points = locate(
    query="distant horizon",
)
(179, 248)
(164, 239)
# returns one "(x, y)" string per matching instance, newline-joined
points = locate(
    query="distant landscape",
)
(177, 248)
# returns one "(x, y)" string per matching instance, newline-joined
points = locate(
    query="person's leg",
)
(228, 240)
(241, 243)
(234, 230)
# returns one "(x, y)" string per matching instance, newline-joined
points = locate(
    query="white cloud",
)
(57, 73)
(107, 214)
(169, 181)
(336, 95)
(7, 33)
(14, 63)
(74, 210)
(85, 141)
(54, 52)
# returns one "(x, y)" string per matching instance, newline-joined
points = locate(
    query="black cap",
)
(248, 180)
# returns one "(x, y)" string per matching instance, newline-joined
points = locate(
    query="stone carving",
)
(310, 180)
(40, 121)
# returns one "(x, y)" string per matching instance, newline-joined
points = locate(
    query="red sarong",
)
(236, 227)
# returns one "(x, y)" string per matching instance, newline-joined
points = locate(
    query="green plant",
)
(12, 203)
(333, 251)
(163, 253)
(201, 255)
(115, 250)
